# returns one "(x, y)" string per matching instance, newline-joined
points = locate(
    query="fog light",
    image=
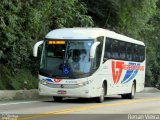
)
(44, 82)
(84, 83)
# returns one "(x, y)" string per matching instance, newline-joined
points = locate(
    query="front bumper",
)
(83, 92)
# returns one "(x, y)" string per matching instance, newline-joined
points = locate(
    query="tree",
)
(22, 23)
(103, 12)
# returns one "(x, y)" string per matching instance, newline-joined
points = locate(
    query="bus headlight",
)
(83, 83)
(44, 82)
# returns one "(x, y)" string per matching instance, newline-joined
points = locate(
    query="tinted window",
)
(120, 50)
(107, 53)
(114, 49)
(129, 51)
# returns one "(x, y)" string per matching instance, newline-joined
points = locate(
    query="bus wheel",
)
(124, 96)
(57, 99)
(100, 99)
(133, 90)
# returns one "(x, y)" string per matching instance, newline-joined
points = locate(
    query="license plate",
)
(61, 92)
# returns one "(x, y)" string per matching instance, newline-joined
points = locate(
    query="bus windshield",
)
(68, 59)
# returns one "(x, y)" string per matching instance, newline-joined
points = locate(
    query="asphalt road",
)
(144, 106)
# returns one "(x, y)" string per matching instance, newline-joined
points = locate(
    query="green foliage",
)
(5, 82)
(22, 23)
(103, 12)
(70, 13)
(134, 16)
(22, 79)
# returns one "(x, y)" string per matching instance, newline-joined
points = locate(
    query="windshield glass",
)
(66, 59)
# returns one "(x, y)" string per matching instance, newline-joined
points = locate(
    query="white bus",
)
(90, 63)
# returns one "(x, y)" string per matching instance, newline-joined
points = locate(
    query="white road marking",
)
(16, 103)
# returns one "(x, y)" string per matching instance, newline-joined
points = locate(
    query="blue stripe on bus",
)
(130, 74)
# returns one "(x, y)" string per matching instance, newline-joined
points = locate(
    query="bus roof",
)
(87, 33)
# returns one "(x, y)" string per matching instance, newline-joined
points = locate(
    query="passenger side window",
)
(115, 50)
(129, 49)
(107, 53)
(136, 53)
(141, 53)
(122, 50)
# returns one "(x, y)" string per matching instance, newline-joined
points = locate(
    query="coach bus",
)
(90, 63)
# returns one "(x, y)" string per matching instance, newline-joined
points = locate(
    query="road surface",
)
(144, 106)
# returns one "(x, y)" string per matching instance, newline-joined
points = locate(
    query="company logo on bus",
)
(131, 71)
(117, 67)
(57, 80)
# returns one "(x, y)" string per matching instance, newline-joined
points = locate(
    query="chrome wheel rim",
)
(133, 90)
(102, 93)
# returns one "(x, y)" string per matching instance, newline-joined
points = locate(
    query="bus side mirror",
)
(35, 49)
(93, 49)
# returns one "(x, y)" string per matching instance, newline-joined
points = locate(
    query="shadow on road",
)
(84, 100)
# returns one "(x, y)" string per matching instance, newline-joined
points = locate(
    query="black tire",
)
(57, 99)
(124, 96)
(130, 95)
(133, 91)
(100, 99)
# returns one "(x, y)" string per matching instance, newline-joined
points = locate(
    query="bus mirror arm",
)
(35, 48)
(93, 49)
(105, 59)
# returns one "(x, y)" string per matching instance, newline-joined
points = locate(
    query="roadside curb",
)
(150, 90)
(33, 94)
(19, 94)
